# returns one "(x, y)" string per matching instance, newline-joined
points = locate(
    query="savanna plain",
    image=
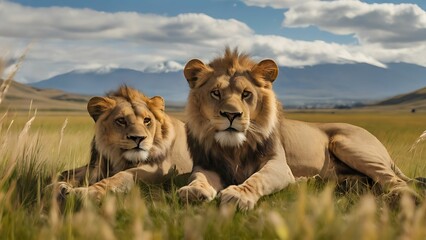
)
(35, 147)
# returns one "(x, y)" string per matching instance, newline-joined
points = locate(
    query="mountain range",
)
(312, 85)
(21, 97)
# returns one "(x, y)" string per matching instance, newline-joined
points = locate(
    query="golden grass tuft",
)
(421, 138)
(4, 87)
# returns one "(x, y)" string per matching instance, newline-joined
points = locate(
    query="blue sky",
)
(152, 35)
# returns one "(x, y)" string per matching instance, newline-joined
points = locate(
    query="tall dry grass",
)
(4, 87)
(420, 139)
(307, 210)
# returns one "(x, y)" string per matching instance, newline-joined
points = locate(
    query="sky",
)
(162, 35)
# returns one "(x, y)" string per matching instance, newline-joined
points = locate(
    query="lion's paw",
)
(63, 189)
(236, 195)
(86, 193)
(194, 194)
(395, 195)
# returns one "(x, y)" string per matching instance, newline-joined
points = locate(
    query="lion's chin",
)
(230, 138)
(136, 156)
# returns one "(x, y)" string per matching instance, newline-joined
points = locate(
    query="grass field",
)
(32, 150)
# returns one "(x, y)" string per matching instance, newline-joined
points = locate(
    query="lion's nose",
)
(231, 116)
(136, 139)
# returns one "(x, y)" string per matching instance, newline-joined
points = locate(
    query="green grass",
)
(30, 156)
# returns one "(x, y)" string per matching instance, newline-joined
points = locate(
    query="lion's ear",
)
(267, 69)
(98, 105)
(191, 71)
(156, 106)
(156, 102)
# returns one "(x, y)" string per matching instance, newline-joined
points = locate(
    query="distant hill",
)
(413, 100)
(19, 97)
(327, 84)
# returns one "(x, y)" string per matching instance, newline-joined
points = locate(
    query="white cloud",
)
(390, 25)
(413, 54)
(293, 53)
(168, 66)
(67, 23)
(279, 4)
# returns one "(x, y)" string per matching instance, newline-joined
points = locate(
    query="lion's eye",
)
(147, 121)
(246, 94)
(215, 94)
(121, 121)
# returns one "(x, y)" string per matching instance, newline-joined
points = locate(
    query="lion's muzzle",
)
(231, 116)
(136, 139)
(233, 135)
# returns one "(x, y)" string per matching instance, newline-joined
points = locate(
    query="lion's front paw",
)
(238, 196)
(62, 189)
(193, 194)
(90, 192)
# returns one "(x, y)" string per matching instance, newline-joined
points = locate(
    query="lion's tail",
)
(400, 174)
(418, 181)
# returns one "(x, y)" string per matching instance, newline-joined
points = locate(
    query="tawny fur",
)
(135, 140)
(276, 149)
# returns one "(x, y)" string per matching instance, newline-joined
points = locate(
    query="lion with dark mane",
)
(135, 140)
(244, 148)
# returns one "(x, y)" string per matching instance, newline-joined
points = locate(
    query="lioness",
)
(244, 148)
(135, 140)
